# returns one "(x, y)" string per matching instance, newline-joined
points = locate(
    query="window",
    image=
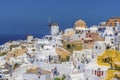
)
(99, 73)
(38, 77)
(82, 55)
(112, 42)
(114, 28)
(98, 68)
(92, 56)
(78, 67)
(36, 60)
(88, 30)
(95, 72)
(108, 47)
(89, 35)
(115, 24)
(83, 70)
(95, 47)
(99, 48)
(115, 20)
(110, 24)
(102, 73)
(92, 71)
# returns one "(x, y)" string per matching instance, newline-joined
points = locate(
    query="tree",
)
(57, 79)
(67, 58)
(73, 46)
(42, 46)
(16, 65)
(3, 53)
(33, 49)
(59, 57)
(63, 77)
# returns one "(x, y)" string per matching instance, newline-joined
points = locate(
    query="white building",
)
(19, 59)
(93, 28)
(118, 42)
(118, 27)
(79, 31)
(54, 30)
(80, 58)
(54, 39)
(80, 35)
(5, 47)
(14, 47)
(4, 73)
(37, 74)
(69, 32)
(99, 47)
(29, 38)
(83, 56)
(110, 40)
(2, 48)
(47, 47)
(86, 66)
(45, 56)
(94, 72)
(31, 49)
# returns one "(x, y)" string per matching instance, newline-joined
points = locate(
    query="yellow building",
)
(79, 24)
(113, 21)
(110, 58)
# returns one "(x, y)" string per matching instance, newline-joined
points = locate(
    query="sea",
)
(13, 37)
(39, 33)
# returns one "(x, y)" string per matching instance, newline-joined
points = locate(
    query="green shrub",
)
(3, 53)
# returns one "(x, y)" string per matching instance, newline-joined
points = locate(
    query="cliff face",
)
(16, 53)
(62, 52)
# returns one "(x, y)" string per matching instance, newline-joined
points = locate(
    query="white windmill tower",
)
(54, 28)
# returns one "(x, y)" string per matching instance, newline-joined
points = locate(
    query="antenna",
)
(49, 21)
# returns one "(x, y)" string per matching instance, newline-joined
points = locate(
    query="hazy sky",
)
(31, 16)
